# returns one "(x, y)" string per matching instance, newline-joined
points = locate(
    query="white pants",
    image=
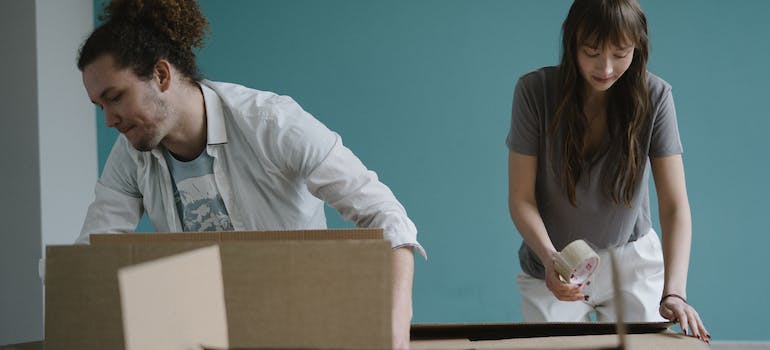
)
(641, 273)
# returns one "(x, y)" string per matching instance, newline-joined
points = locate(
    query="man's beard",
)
(153, 138)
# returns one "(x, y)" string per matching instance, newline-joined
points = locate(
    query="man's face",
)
(132, 106)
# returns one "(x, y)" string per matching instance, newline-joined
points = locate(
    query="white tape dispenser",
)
(576, 262)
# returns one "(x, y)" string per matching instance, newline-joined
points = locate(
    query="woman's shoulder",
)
(543, 73)
(539, 78)
(657, 86)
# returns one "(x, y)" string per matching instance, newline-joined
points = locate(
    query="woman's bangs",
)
(617, 26)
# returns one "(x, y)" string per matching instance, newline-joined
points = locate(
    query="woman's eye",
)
(591, 53)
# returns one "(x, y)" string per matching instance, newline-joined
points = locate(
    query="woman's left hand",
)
(677, 310)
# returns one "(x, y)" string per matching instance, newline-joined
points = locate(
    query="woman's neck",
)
(595, 100)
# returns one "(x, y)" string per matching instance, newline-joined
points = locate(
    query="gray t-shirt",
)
(596, 218)
(198, 201)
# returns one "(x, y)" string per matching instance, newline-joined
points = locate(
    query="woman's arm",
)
(674, 211)
(522, 204)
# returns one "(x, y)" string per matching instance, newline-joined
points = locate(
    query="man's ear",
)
(162, 74)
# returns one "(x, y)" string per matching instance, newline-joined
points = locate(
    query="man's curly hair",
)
(139, 33)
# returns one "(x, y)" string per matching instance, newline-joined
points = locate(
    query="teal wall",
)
(421, 91)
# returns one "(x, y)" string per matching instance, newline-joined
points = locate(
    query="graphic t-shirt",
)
(197, 199)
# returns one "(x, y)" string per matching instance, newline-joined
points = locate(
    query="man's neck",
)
(188, 138)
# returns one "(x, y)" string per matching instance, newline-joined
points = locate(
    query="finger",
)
(692, 322)
(698, 327)
(704, 331)
(571, 297)
(570, 294)
(567, 289)
(562, 292)
(684, 323)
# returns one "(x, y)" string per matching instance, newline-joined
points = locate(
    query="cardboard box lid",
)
(278, 294)
(219, 236)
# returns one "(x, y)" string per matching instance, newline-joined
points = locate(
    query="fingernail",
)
(586, 298)
(589, 282)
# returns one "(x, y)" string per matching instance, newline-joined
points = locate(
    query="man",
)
(198, 155)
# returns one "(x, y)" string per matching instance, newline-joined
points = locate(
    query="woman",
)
(580, 139)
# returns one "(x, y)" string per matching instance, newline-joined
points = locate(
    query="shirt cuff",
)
(414, 246)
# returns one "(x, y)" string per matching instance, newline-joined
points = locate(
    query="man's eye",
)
(115, 98)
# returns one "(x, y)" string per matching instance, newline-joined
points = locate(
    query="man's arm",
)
(403, 274)
(111, 211)
(117, 205)
(337, 176)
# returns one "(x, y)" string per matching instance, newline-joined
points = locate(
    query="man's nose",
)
(111, 118)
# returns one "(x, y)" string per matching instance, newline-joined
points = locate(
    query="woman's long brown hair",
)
(598, 22)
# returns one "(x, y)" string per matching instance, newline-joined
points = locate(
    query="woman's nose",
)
(605, 65)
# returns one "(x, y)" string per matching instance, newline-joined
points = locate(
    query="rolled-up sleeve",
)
(335, 175)
(117, 205)
(111, 212)
(343, 181)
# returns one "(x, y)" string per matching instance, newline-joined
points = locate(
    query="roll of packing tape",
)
(576, 262)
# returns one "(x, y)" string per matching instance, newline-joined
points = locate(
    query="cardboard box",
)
(313, 290)
(569, 336)
(176, 302)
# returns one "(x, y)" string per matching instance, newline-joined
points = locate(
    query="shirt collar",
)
(215, 116)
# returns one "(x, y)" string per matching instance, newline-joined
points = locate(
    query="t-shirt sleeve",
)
(524, 134)
(665, 131)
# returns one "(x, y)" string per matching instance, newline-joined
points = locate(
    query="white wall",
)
(48, 143)
(67, 124)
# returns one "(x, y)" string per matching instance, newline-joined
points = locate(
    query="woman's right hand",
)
(562, 290)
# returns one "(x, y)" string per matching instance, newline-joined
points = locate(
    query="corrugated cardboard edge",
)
(321, 234)
(494, 331)
(531, 336)
(657, 341)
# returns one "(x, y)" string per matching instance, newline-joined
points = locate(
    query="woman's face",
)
(601, 67)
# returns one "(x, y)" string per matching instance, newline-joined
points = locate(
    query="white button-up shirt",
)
(274, 165)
